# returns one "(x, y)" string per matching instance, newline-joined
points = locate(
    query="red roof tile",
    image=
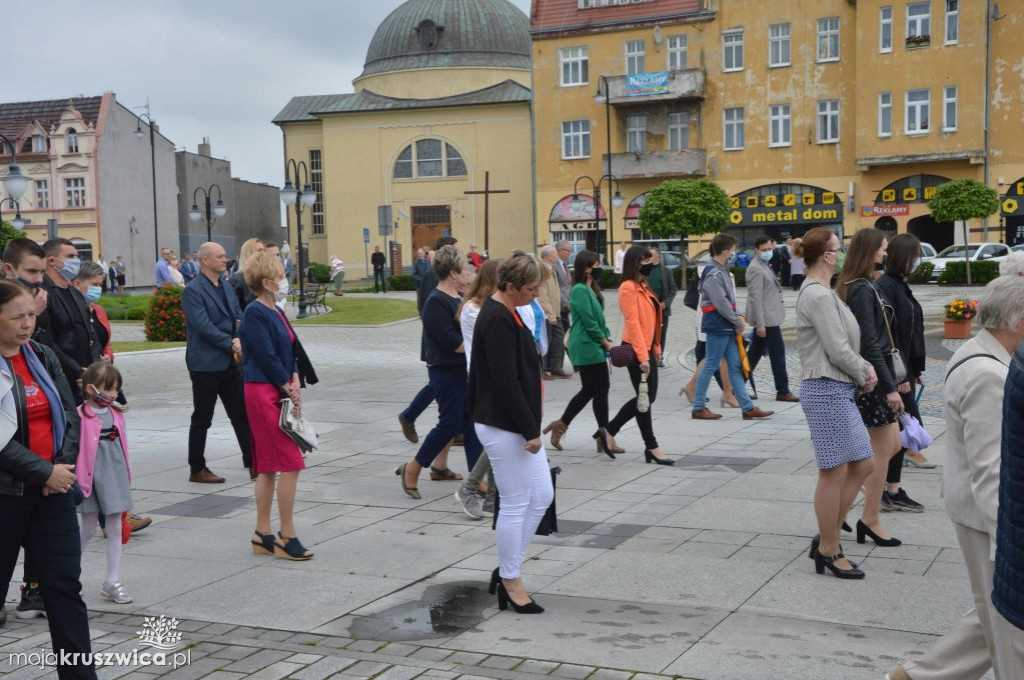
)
(555, 16)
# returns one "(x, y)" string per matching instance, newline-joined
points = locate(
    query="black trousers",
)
(596, 383)
(47, 527)
(895, 473)
(775, 346)
(382, 277)
(628, 410)
(206, 387)
(664, 331)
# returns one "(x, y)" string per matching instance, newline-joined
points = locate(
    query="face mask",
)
(914, 265)
(70, 269)
(101, 400)
(282, 290)
(767, 256)
(595, 274)
(645, 269)
(28, 284)
(93, 294)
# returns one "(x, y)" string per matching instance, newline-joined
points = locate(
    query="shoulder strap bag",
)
(899, 373)
(966, 359)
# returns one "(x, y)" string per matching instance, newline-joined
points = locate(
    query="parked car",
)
(1018, 248)
(977, 252)
(673, 259)
(927, 252)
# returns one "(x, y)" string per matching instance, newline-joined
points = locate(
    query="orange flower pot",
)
(958, 329)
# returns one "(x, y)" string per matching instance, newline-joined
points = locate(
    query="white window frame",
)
(42, 193)
(830, 33)
(316, 183)
(74, 188)
(919, 20)
(950, 108)
(72, 141)
(677, 52)
(780, 125)
(884, 107)
(636, 59)
(636, 133)
(574, 62)
(885, 27)
(780, 37)
(732, 43)
(38, 144)
(828, 111)
(575, 133)
(735, 118)
(678, 131)
(952, 21)
(918, 107)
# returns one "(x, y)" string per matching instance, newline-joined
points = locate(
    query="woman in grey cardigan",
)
(832, 369)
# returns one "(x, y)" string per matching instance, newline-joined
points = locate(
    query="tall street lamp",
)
(603, 96)
(15, 185)
(290, 195)
(613, 185)
(212, 211)
(139, 134)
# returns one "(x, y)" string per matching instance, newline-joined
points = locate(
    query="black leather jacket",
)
(907, 321)
(18, 464)
(862, 299)
(69, 332)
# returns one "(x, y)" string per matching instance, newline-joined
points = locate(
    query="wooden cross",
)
(487, 191)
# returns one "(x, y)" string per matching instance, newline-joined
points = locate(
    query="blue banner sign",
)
(644, 84)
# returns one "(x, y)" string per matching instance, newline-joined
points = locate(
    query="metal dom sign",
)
(792, 209)
(644, 84)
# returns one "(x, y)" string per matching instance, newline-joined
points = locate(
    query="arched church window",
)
(429, 158)
(72, 141)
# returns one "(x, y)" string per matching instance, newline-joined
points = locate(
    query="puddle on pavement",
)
(443, 611)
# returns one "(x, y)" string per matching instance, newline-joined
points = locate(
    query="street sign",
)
(384, 217)
(366, 234)
(385, 230)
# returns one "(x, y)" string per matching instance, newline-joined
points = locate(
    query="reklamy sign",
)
(898, 210)
(644, 84)
(809, 208)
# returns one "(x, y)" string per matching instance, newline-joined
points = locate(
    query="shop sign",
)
(895, 210)
(912, 189)
(644, 84)
(559, 227)
(1012, 204)
(805, 208)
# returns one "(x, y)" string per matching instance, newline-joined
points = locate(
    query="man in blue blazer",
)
(212, 317)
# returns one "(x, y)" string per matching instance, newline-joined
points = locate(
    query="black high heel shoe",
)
(504, 601)
(264, 546)
(495, 580)
(601, 437)
(651, 458)
(816, 541)
(821, 561)
(847, 528)
(865, 530)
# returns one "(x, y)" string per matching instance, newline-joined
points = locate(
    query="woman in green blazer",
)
(589, 342)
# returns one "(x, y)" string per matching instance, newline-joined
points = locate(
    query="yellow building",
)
(806, 112)
(443, 101)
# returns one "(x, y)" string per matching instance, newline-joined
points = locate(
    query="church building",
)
(440, 115)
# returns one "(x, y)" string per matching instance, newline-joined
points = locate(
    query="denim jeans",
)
(719, 347)
(773, 344)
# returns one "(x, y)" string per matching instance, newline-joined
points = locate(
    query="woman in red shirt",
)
(38, 495)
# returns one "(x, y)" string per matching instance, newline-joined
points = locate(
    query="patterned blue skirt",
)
(837, 430)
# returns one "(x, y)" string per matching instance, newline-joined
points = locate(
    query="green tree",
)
(962, 200)
(689, 207)
(8, 232)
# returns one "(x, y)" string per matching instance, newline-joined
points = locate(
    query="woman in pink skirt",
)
(270, 371)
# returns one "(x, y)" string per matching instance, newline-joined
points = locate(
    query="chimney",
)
(204, 147)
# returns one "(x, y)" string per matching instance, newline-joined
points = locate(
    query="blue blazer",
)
(211, 322)
(267, 349)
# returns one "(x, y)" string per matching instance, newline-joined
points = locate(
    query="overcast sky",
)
(218, 69)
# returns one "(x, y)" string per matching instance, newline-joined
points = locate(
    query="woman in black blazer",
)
(505, 398)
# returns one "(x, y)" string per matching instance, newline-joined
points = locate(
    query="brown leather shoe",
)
(204, 476)
(139, 522)
(756, 413)
(408, 430)
(704, 414)
(789, 396)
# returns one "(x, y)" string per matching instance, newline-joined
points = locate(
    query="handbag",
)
(899, 373)
(549, 522)
(643, 395)
(622, 355)
(692, 297)
(298, 429)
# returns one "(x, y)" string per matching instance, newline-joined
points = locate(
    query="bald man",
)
(212, 317)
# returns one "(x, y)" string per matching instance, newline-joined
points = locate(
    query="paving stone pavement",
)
(695, 571)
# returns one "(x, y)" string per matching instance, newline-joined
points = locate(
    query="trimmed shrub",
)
(401, 282)
(135, 313)
(981, 272)
(322, 272)
(609, 279)
(923, 273)
(740, 274)
(165, 318)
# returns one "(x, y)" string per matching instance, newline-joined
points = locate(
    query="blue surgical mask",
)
(94, 293)
(70, 269)
(767, 256)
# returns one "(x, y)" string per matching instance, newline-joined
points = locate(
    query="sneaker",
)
(31, 604)
(115, 592)
(471, 503)
(887, 502)
(488, 509)
(904, 502)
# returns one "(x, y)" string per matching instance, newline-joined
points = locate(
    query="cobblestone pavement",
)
(698, 570)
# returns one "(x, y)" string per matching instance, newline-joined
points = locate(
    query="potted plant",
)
(959, 315)
(918, 41)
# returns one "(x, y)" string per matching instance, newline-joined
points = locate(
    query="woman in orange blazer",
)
(641, 312)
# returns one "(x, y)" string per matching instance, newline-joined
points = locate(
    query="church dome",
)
(450, 34)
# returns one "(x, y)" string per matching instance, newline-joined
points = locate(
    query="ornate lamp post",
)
(212, 211)
(139, 134)
(15, 185)
(290, 195)
(613, 184)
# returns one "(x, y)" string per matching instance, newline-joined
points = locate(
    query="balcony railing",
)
(682, 84)
(654, 164)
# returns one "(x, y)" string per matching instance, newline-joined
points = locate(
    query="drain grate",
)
(211, 506)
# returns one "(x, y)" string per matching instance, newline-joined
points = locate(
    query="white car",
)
(978, 252)
(927, 252)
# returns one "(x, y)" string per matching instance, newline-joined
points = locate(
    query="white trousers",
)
(982, 639)
(524, 483)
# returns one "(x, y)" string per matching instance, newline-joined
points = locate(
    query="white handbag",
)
(298, 429)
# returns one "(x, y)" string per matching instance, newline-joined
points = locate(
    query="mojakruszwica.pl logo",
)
(160, 644)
